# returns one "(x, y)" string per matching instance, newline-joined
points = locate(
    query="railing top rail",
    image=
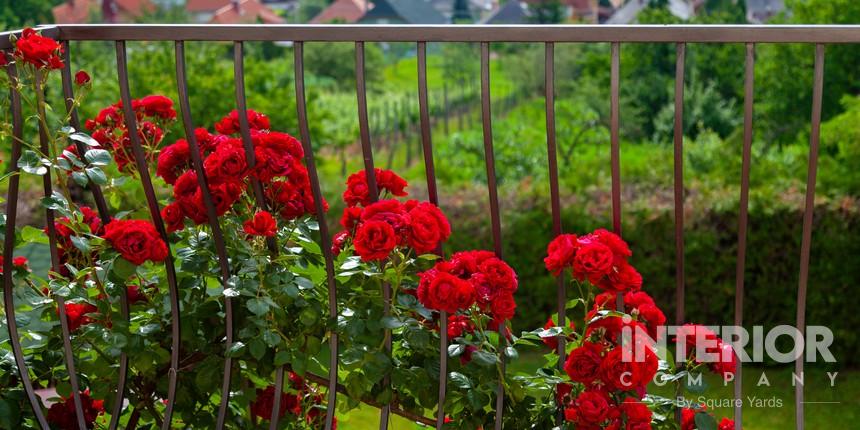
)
(463, 33)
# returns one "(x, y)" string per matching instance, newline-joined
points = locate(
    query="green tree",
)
(547, 12)
(15, 14)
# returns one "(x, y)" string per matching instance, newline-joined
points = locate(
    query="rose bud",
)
(82, 78)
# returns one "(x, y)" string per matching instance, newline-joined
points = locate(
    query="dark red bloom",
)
(82, 78)
(62, 415)
(358, 191)
(374, 240)
(40, 51)
(593, 261)
(592, 407)
(226, 164)
(156, 106)
(173, 161)
(136, 240)
(583, 363)
(262, 406)
(638, 414)
(261, 225)
(428, 227)
(459, 325)
(560, 253)
(230, 123)
(726, 424)
(277, 155)
(134, 294)
(76, 314)
(445, 292)
(173, 217)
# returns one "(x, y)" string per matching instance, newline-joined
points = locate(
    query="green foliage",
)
(17, 14)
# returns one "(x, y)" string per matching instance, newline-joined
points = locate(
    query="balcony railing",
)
(680, 36)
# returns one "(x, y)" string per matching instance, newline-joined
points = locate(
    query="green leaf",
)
(85, 139)
(257, 348)
(30, 162)
(10, 414)
(304, 283)
(460, 380)
(704, 421)
(485, 358)
(282, 358)
(123, 269)
(308, 317)
(97, 175)
(392, 322)
(236, 349)
(81, 243)
(231, 292)
(80, 178)
(511, 353)
(455, 349)
(257, 306)
(98, 157)
(33, 235)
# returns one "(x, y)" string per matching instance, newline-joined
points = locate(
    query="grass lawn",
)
(843, 414)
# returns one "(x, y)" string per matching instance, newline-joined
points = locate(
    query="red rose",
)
(593, 261)
(290, 200)
(262, 406)
(726, 364)
(226, 164)
(391, 212)
(374, 240)
(173, 217)
(444, 292)
(583, 363)
(428, 227)
(261, 225)
(351, 217)
(338, 241)
(458, 325)
(499, 274)
(618, 374)
(230, 123)
(697, 338)
(726, 424)
(503, 307)
(3, 59)
(62, 415)
(560, 253)
(223, 195)
(136, 240)
(173, 161)
(621, 278)
(135, 295)
(276, 155)
(613, 241)
(552, 341)
(40, 51)
(76, 314)
(636, 412)
(156, 106)
(82, 78)
(358, 192)
(592, 406)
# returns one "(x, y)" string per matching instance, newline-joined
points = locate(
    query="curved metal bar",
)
(808, 213)
(433, 194)
(325, 238)
(9, 249)
(68, 353)
(743, 215)
(104, 215)
(486, 122)
(217, 234)
(370, 173)
(555, 201)
(155, 213)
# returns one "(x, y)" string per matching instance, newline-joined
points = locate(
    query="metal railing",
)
(421, 35)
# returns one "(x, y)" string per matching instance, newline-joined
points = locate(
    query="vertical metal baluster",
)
(47, 185)
(806, 240)
(615, 152)
(489, 158)
(555, 200)
(9, 249)
(370, 172)
(743, 215)
(433, 193)
(680, 54)
(104, 215)
(217, 234)
(325, 239)
(155, 214)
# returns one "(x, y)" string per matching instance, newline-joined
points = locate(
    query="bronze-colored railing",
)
(484, 35)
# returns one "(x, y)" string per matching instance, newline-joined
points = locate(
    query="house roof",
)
(513, 12)
(410, 11)
(205, 5)
(348, 11)
(759, 11)
(78, 11)
(245, 12)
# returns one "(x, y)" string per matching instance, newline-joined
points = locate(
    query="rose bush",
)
(240, 240)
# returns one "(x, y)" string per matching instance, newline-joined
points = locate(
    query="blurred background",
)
(713, 118)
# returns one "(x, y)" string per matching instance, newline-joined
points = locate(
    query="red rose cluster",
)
(18, 263)
(700, 338)
(378, 228)
(688, 420)
(109, 130)
(40, 51)
(599, 257)
(293, 402)
(469, 278)
(279, 168)
(638, 303)
(77, 314)
(62, 415)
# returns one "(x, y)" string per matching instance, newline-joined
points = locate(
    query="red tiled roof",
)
(348, 11)
(205, 5)
(77, 11)
(249, 12)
